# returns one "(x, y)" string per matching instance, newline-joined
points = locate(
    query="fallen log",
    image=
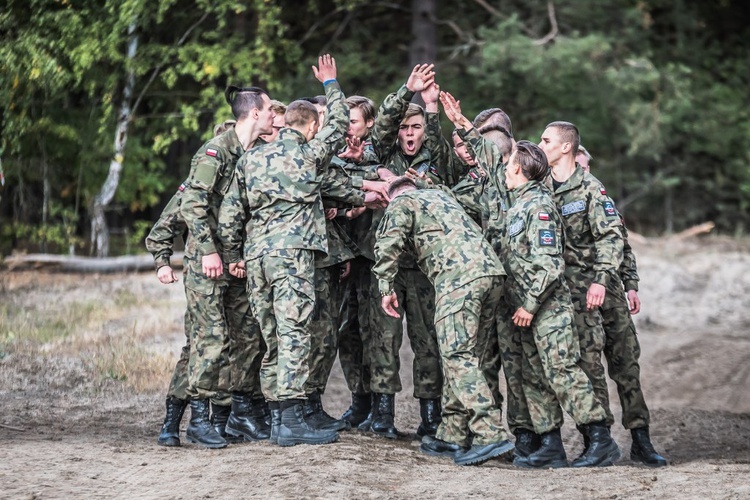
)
(75, 264)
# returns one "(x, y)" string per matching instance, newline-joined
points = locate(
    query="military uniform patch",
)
(609, 209)
(543, 216)
(515, 228)
(182, 187)
(602, 190)
(546, 238)
(573, 208)
(211, 152)
(502, 206)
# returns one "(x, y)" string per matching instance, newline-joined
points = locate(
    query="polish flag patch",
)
(543, 216)
(182, 187)
(211, 152)
(602, 190)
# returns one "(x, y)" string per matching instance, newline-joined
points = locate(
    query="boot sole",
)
(448, 454)
(169, 442)
(212, 446)
(493, 454)
(245, 436)
(641, 461)
(295, 441)
(608, 461)
(524, 464)
(388, 435)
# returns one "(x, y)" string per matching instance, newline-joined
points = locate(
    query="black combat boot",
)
(383, 424)
(275, 411)
(439, 448)
(295, 430)
(366, 424)
(262, 411)
(357, 412)
(170, 430)
(200, 431)
(527, 442)
(602, 450)
(429, 410)
(317, 417)
(643, 451)
(586, 440)
(219, 417)
(245, 422)
(551, 453)
(480, 453)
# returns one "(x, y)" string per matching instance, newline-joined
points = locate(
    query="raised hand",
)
(355, 148)
(431, 94)
(326, 69)
(421, 77)
(452, 109)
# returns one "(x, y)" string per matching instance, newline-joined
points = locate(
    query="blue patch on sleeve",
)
(547, 238)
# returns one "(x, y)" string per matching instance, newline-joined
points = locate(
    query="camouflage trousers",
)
(283, 300)
(511, 353)
(225, 342)
(588, 325)
(324, 331)
(178, 385)
(551, 375)
(354, 327)
(622, 350)
(416, 297)
(463, 317)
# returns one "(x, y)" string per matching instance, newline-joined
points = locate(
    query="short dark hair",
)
(568, 133)
(244, 99)
(300, 113)
(319, 100)
(533, 161)
(365, 105)
(399, 183)
(493, 117)
(414, 110)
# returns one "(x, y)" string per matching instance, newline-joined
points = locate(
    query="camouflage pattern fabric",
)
(470, 414)
(533, 257)
(169, 227)
(593, 253)
(324, 335)
(621, 347)
(354, 327)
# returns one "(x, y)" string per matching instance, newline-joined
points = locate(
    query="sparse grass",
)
(37, 326)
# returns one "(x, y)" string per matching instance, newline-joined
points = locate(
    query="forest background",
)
(102, 104)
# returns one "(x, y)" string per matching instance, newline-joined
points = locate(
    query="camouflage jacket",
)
(471, 194)
(170, 226)
(449, 246)
(337, 190)
(532, 247)
(211, 173)
(593, 235)
(626, 278)
(275, 194)
(495, 194)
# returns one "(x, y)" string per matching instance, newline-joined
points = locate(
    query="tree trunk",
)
(423, 36)
(99, 229)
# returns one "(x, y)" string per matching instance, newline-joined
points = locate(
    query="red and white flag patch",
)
(602, 190)
(211, 152)
(543, 216)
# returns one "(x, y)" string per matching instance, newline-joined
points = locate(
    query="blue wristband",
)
(328, 81)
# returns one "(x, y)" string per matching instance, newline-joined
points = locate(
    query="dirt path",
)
(88, 396)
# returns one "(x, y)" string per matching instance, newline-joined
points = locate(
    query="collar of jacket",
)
(526, 187)
(289, 134)
(572, 183)
(231, 142)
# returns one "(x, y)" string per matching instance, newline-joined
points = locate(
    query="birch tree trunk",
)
(99, 229)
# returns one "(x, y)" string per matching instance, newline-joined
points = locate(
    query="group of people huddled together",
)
(315, 228)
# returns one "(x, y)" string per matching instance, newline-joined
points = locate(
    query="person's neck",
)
(247, 133)
(564, 168)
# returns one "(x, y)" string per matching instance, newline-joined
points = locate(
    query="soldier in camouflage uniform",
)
(593, 247)
(488, 139)
(621, 347)
(532, 253)
(400, 142)
(275, 197)
(160, 243)
(465, 273)
(217, 301)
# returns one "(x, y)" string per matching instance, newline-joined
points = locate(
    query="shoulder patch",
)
(546, 238)
(543, 216)
(573, 208)
(515, 228)
(602, 190)
(211, 152)
(609, 209)
(503, 207)
(473, 175)
(433, 170)
(182, 187)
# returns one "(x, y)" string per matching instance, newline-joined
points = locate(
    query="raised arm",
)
(331, 134)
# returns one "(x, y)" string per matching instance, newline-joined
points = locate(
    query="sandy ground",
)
(79, 415)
